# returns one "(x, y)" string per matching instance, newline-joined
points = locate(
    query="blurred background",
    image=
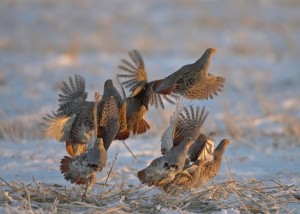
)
(43, 42)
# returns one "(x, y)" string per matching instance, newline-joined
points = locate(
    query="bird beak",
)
(214, 50)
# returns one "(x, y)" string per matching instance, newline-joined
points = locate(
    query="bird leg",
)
(85, 191)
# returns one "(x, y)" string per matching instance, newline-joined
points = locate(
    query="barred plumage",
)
(186, 122)
(201, 171)
(142, 95)
(74, 120)
(193, 81)
(82, 169)
(137, 80)
(163, 170)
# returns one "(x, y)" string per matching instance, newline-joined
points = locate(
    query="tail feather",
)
(64, 164)
(142, 175)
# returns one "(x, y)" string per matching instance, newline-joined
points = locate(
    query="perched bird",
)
(193, 81)
(183, 120)
(142, 94)
(73, 122)
(202, 170)
(83, 169)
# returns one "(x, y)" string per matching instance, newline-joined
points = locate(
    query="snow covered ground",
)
(44, 42)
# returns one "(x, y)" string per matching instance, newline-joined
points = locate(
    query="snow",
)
(44, 42)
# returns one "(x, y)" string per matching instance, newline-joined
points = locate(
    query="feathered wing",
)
(207, 153)
(135, 73)
(168, 136)
(58, 127)
(71, 94)
(204, 87)
(202, 149)
(190, 122)
(136, 79)
(109, 122)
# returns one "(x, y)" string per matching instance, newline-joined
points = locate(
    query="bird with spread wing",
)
(162, 170)
(73, 122)
(134, 77)
(193, 81)
(202, 170)
(83, 169)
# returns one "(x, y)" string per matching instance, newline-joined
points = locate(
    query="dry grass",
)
(20, 129)
(264, 196)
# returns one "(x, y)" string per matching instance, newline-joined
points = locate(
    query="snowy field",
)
(43, 42)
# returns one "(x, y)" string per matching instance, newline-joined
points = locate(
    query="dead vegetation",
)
(254, 196)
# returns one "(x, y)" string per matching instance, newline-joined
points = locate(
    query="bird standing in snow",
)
(193, 81)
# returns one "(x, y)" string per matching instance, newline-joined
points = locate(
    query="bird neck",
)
(218, 154)
(203, 62)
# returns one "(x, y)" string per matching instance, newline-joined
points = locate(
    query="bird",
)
(193, 81)
(183, 120)
(83, 169)
(109, 125)
(73, 122)
(163, 169)
(202, 170)
(134, 77)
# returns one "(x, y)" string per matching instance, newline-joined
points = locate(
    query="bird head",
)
(211, 51)
(108, 83)
(99, 143)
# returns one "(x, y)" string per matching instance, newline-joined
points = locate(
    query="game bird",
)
(163, 169)
(202, 170)
(134, 77)
(181, 122)
(193, 81)
(83, 169)
(73, 122)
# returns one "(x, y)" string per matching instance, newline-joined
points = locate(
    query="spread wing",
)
(58, 127)
(135, 73)
(71, 94)
(135, 79)
(190, 122)
(202, 88)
